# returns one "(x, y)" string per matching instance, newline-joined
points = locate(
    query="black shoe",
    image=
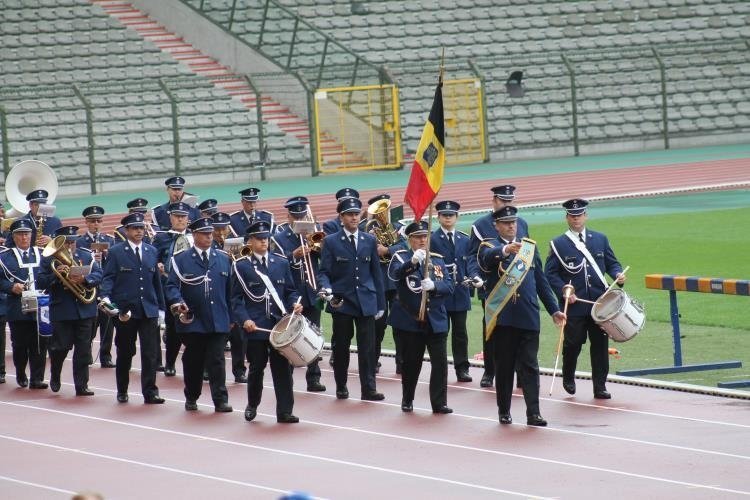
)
(227, 347)
(54, 383)
(223, 407)
(486, 381)
(569, 386)
(407, 406)
(160, 368)
(506, 419)
(36, 384)
(443, 410)
(315, 386)
(154, 400)
(342, 393)
(22, 381)
(287, 418)
(122, 397)
(107, 363)
(602, 394)
(169, 371)
(536, 421)
(2, 378)
(205, 376)
(84, 391)
(191, 405)
(250, 413)
(372, 396)
(463, 376)
(240, 379)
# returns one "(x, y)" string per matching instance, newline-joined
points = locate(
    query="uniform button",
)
(141, 278)
(212, 301)
(141, 288)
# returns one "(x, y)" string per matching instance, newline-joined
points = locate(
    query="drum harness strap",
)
(270, 290)
(198, 280)
(585, 251)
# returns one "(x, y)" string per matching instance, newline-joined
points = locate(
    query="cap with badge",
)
(210, 205)
(250, 194)
(506, 214)
(349, 205)
(418, 228)
(258, 229)
(138, 205)
(38, 196)
(221, 219)
(21, 226)
(505, 192)
(447, 207)
(175, 182)
(70, 232)
(178, 208)
(383, 196)
(133, 220)
(202, 225)
(346, 193)
(296, 205)
(576, 206)
(93, 212)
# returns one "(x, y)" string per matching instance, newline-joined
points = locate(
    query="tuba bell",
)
(23, 178)
(380, 224)
(61, 256)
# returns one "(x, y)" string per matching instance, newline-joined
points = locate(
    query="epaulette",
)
(465, 234)
(220, 250)
(487, 243)
(266, 211)
(433, 254)
(397, 251)
(85, 249)
(282, 226)
(178, 252)
(280, 255)
(235, 212)
(4, 249)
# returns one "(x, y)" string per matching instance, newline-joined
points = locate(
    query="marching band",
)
(210, 278)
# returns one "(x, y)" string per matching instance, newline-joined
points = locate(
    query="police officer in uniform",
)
(482, 229)
(199, 291)
(167, 244)
(72, 319)
(351, 282)
(453, 245)
(334, 225)
(208, 207)
(132, 282)
(20, 267)
(93, 216)
(290, 244)
(242, 219)
(175, 192)
(581, 257)
(263, 291)
(407, 269)
(51, 224)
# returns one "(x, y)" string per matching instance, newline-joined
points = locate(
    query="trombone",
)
(310, 239)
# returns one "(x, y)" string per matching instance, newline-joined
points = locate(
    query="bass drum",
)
(297, 339)
(619, 315)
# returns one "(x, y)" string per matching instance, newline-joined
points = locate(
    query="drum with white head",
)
(619, 315)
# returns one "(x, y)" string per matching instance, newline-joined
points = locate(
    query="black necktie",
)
(580, 238)
(263, 262)
(138, 254)
(450, 238)
(204, 256)
(25, 257)
(353, 243)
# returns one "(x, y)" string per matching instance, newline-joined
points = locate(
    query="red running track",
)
(646, 443)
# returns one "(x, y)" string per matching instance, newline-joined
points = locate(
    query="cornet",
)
(311, 239)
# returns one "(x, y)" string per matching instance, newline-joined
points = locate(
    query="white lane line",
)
(143, 464)
(250, 446)
(36, 485)
(405, 438)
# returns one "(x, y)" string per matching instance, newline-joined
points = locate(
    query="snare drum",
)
(619, 315)
(297, 339)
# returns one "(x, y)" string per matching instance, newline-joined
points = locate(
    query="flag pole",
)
(427, 260)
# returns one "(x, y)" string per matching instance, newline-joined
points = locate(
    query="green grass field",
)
(712, 243)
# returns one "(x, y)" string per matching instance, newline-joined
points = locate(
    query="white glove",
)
(379, 314)
(428, 284)
(161, 317)
(419, 256)
(477, 282)
(326, 294)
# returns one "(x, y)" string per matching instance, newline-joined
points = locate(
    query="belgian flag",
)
(429, 162)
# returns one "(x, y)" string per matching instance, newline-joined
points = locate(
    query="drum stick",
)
(586, 301)
(567, 291)
(263, 329)
(615, 282)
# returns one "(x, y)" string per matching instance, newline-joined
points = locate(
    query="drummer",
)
(582, 257)
(262, 292)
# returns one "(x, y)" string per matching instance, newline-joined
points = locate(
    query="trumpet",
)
(380, 224)
(311, 240)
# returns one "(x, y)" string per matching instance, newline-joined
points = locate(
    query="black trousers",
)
(2, 345)
(173, 341)
(343, 332)
(205, 350)
(147, 332)
(459, 340)
(105, 325)
(380, 327)
(67, 335)
(576, 331)
(488, 347)
(312, 374)
(414, 344)
(259, 352)
(28, 348)
(516, 349)
(237, 349)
